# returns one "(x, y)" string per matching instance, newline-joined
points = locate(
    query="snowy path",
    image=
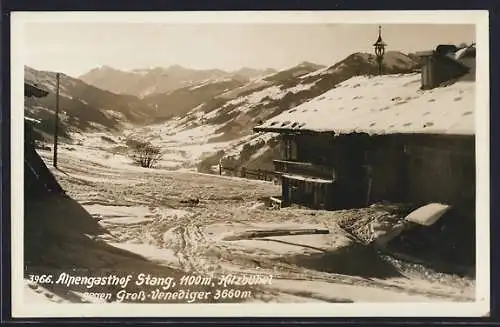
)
(144, 212)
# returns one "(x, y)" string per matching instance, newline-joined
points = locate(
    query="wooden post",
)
(285, 193)
(56, 123)
(27, 127)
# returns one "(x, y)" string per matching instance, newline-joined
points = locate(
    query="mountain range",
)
(144, 82)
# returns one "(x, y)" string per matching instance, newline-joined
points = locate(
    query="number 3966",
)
(41, 279)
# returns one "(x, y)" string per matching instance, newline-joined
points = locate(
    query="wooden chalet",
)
(399, 138)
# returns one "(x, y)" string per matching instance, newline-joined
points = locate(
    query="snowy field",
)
(146, 211)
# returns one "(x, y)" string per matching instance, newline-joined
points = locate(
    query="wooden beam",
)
(266, 233)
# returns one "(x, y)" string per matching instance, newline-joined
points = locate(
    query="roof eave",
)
(34, 91)
(289, 130)
(309, 131)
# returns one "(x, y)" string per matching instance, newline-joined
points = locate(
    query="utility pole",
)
(56, 123)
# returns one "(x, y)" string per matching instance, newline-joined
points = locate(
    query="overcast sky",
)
(75, 48)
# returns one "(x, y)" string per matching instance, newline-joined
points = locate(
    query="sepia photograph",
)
(239, 164)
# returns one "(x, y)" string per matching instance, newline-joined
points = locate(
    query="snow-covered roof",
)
(31, 120)
(386, 104)
(32, 90)
(428, 214)
(308, 179)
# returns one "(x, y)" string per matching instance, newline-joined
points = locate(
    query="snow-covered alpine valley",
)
(186, 219)
(150, 214)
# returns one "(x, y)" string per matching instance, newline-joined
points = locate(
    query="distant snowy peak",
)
(140, 71)
(209, 81)
(252, 73)
(106, 67)
(147, 81)
(293, 72)
(310, 65)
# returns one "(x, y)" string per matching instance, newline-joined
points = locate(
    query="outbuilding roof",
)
(32, 90)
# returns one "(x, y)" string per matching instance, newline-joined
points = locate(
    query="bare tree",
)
(144, 154)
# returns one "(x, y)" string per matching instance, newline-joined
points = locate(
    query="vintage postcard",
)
(293, 164)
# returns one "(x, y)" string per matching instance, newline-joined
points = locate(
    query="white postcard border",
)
(480, 307)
